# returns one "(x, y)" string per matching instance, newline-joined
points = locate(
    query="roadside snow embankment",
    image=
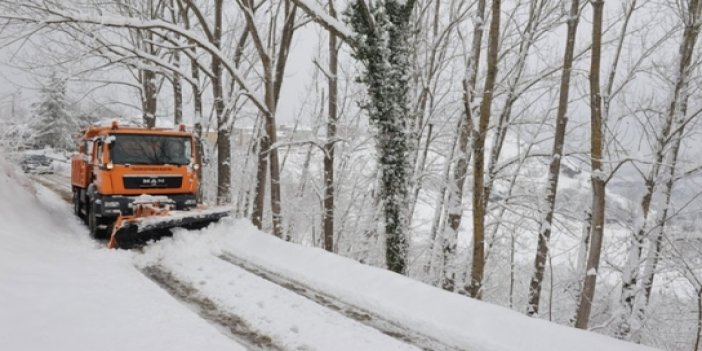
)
(455, 320)
(60, 291)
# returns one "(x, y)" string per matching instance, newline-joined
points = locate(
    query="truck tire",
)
(76, 203)
(94, 224)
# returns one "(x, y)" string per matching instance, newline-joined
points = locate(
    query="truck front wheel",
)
(94, 224)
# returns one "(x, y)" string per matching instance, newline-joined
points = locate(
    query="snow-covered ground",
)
(60, 290)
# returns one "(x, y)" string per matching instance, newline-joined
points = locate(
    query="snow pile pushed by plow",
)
(154, 214)
(59, 290)
(455, 321)
(180, 218)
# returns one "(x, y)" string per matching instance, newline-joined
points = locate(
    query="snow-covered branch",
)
(330, 23)
(60, 17)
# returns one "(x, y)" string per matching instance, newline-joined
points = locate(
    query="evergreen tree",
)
(52, 120)
(382, 45)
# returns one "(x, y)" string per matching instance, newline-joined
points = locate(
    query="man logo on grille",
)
(152, 181)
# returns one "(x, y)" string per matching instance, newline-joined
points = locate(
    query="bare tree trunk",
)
(698, 334)
(276, 84)
(512, 268)
(457, 182)
(536, 8)
(328, 203)
(150, 89)
(223, 132)
(250, 165)
(631, 268)
(149, 96)
(643, 293)
(631, 277)
(583, 247)
(177, 92)
(274, 163)
(197, 107)
(261, 175)
(439, 209)
(177, 80)
(436, 53)
(597, 176)
(197, 102)
(474, 287)
(273, 74)
(555, 166)
(420, 169)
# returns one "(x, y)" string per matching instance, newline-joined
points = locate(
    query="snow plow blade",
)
(153, 222)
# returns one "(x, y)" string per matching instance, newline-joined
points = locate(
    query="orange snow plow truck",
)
(133, 184)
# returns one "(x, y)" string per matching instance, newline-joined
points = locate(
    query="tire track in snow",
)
(236, 327)
(365, 317)
(207, 309)
(55, 183)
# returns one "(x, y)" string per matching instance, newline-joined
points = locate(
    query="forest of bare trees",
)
(543, 155)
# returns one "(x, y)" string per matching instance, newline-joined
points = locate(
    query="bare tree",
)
(456, 184)
(273, 61)
(597, 176)
(555, 166)
(473, 287)
(328, 203)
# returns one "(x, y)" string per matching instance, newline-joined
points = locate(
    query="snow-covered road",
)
(79, 299)
(229, 287)
(59, 290)
(260, 313)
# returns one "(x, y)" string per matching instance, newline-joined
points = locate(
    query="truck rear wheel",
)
(76, 203)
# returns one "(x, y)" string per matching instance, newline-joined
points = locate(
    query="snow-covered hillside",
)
(60, 290)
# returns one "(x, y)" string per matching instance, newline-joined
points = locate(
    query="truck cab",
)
(115, 165)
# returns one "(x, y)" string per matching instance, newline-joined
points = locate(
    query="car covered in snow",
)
(36, 164)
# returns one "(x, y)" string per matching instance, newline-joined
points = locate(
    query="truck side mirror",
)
(99, 157)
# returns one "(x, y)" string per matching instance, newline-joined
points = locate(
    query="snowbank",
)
(60, 290)
(460, 321)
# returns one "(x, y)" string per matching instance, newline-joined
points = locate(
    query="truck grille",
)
(155, 181)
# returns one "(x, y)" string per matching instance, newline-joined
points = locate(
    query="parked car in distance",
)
(36, 164)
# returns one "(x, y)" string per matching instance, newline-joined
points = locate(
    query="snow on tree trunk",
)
(634, 283)
(383, 46)
(177, 93)
(457, 182)
(149, 97)
(328, 203)
(597, 177)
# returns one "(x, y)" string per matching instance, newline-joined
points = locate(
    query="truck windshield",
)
(150, 149)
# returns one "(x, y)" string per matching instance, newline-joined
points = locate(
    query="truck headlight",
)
(111, 204)
(191, 202)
